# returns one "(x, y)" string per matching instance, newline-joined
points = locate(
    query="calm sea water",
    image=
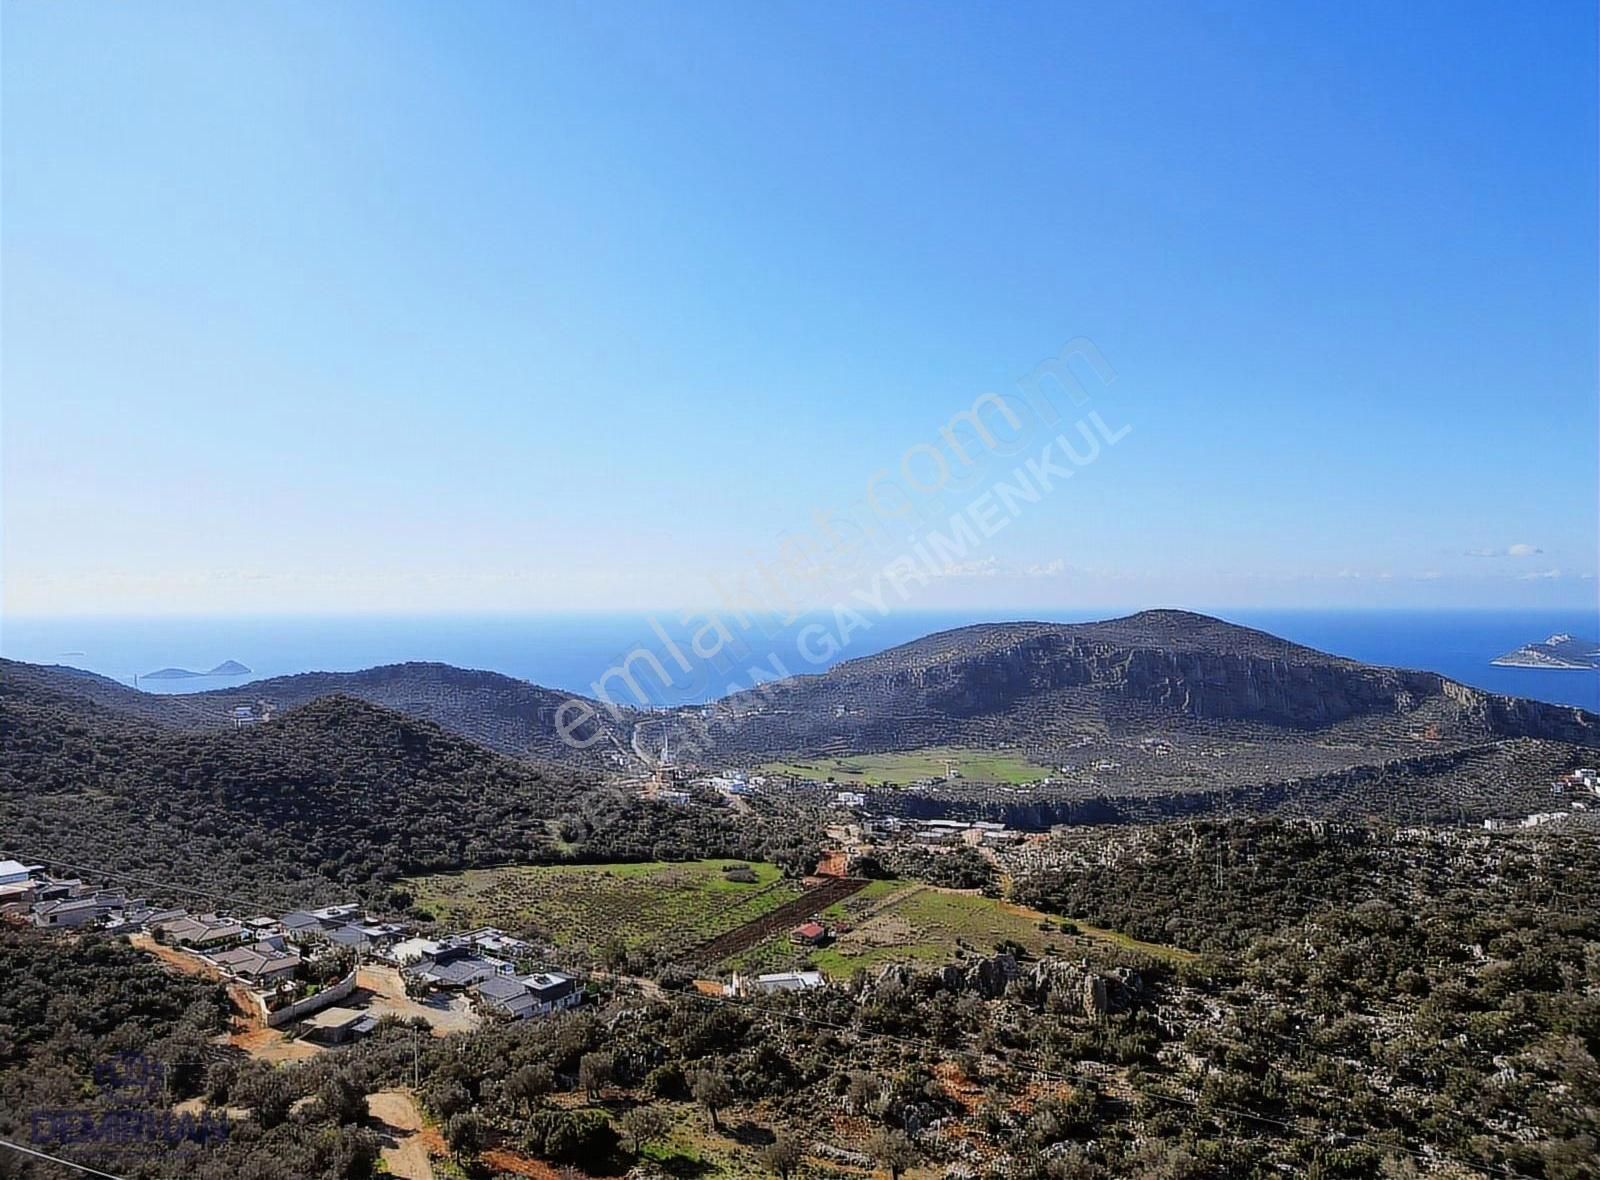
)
(571, 651)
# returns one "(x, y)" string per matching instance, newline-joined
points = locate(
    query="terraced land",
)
(667, 907)
(908, 922)
(779, 922)
(898, 769)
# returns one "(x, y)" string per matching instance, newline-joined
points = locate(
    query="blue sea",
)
(571, 651)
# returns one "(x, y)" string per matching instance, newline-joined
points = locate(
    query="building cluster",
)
(246, 715)
(733, 782)
(30, 895)
(282, 961)
(683, 786)
(1578, 788)
(484, 965)
(1584, 781)
(935, 832)
(342, 925)
(1537, 820)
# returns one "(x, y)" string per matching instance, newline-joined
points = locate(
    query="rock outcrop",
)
(1070, 984)
(979, 685)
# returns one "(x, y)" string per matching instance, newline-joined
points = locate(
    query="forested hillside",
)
(328, 797)
(1381, 1004)
(504, 713)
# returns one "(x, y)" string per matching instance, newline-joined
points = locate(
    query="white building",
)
(778, 981)
(413, 950)
(494, 941)
(13, 872)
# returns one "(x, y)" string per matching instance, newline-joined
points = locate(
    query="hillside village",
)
(297, 970)
(1146, 1022)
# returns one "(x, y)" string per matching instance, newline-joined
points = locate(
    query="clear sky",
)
(399, 306)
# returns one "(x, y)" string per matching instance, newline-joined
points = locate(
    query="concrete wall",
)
(300, 1008)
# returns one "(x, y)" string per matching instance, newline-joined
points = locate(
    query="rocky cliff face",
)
(1205, 685)
(1520, 717)
(995, 683)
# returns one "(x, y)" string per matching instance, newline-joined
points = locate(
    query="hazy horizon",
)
(1000, 613)
(571, 650)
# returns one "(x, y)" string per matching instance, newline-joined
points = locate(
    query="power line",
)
(56, 1159)
(145, 881)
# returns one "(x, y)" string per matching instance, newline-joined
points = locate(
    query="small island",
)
(226, 668)
(1559, 651)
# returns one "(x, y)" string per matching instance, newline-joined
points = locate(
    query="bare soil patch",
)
(386, 993)
(269, 1044)
(405, 1151)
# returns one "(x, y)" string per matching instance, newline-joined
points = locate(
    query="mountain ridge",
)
(1016, 683)
(1054, 683)
(504, 713)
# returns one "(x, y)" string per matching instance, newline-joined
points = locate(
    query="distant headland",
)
(1559, 651)
(226, 668)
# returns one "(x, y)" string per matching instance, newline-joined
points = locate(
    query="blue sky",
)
(506, 306)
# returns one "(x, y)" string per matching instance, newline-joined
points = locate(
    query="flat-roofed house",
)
(66, 913)
(494, 941)
(456, 967)
(14, 872)
(20, 893)
(778, 981)
(334, 1026)
(537, 994)
(54, 888)
(411, 950)
(553, 991)
(82, 910)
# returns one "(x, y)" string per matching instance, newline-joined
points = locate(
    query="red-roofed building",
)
(810, 934)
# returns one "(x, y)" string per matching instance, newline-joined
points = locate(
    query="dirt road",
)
(404, 1152)
(180, 961)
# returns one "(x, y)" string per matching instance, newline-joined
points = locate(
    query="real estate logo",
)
(129, 1114)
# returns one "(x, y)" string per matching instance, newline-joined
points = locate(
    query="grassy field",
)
(906, 922)
(982, 766)
(585, 908)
